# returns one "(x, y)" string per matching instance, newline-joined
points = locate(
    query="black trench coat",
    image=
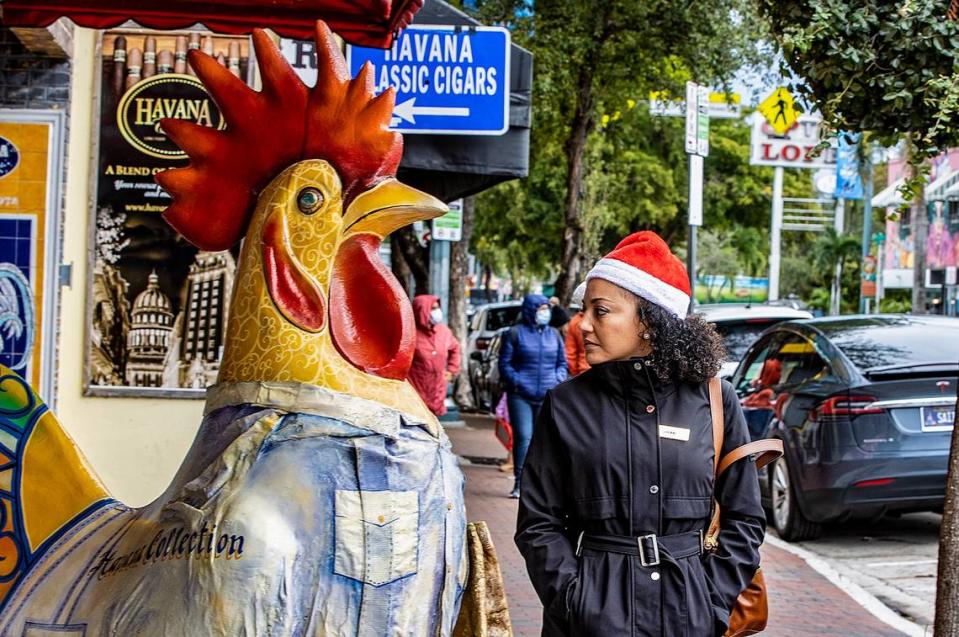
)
(596, 464)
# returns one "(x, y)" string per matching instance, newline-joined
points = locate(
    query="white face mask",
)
(436, 316)
(543, 317)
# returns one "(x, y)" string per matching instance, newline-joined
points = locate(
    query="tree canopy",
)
(588, 177)
(888, 67)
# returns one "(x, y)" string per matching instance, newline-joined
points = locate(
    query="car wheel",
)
(477, 398)
(789, 521)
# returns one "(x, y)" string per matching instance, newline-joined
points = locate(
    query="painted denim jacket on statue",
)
(297, 512)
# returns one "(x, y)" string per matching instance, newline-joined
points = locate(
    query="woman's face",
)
(611, 326)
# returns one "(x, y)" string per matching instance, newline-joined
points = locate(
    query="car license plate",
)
(938, 418)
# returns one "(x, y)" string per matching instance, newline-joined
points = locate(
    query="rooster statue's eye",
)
(309, 200)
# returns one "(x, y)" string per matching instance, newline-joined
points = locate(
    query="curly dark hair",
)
(684, 350)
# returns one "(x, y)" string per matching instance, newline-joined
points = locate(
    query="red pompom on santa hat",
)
(643, 265)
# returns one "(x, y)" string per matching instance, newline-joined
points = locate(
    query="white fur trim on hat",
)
(642, 284)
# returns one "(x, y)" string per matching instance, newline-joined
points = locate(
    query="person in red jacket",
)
(436, 360)
(575, 347)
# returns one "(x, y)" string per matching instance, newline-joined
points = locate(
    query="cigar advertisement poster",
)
(30, 178)
(158, 306)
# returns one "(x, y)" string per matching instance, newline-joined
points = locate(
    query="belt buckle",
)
(642, 551)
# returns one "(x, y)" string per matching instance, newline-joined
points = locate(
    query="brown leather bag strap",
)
(765, 450)
(711, 539)
(716, 414)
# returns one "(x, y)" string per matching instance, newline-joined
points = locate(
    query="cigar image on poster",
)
(159, 305)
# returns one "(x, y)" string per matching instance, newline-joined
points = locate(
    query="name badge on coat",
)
(674, 433)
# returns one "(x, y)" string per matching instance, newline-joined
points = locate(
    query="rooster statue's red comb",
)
(339, 121)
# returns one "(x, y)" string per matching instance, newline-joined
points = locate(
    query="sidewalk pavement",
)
(801, 603)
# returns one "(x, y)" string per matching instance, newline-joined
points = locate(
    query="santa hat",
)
(643, 265)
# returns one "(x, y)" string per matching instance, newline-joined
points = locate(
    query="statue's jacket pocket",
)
(376, 535)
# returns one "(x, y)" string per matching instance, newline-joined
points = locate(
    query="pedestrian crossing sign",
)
(779, 109)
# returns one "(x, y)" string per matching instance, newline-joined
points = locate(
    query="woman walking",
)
(531, 362)
(436, 359)
(618, 480)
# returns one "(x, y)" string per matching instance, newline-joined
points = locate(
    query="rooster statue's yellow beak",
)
(387, 207)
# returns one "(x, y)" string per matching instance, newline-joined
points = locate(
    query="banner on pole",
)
(848, 179)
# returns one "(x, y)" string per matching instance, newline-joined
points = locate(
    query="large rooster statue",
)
(320, 496)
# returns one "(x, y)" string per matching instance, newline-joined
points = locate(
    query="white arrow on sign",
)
(408, 110)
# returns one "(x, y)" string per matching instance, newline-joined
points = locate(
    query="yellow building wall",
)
(135, 444)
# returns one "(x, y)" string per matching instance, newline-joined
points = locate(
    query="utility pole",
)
(835, 297)
(866, 217)
(920, 230)
(920, 234)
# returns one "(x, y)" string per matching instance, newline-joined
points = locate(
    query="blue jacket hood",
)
(531, 303)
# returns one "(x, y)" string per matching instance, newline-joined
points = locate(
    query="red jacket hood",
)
(422, 305)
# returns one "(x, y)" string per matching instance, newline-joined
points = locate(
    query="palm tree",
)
(831, 252)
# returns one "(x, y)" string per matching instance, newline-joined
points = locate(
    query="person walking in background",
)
(532, 361)
(436, 360)
(575, 348)
(558, 316)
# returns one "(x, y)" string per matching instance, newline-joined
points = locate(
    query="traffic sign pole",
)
(697, 147)
(776, 233)
(695, 219)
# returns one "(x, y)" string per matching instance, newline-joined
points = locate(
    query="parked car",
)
(740, 324)
(485, 382)
(484, 376)
(487, 321)
(865, 407)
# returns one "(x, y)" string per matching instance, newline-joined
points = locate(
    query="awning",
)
(945, 186)
(451, 166)
(889, 196)
(939, 189)
(362, 22)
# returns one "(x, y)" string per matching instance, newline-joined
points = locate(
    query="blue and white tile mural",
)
(17, 304)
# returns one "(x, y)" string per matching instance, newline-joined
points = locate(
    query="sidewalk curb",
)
(864, 598)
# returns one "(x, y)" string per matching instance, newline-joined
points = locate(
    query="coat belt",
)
(646, 547)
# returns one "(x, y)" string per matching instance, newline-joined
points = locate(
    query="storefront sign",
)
(30, 178)
(164, 96)
(792, 149)
(157, 305)
(448, 80)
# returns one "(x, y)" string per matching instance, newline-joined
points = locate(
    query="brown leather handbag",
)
(751, 612)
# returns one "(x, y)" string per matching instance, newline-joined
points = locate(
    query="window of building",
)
(953, 213)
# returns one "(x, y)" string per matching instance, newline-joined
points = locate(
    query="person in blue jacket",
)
(532, 361)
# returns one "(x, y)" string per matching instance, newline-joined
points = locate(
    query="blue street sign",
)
(448, 80)
(848, 180)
